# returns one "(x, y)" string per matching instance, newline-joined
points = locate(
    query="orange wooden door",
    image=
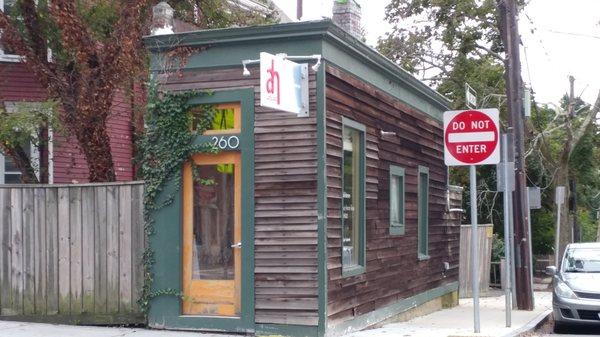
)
(212, 235)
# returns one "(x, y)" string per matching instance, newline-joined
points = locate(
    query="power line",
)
(573, 34)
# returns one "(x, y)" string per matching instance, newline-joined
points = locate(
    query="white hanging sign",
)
(283, 84)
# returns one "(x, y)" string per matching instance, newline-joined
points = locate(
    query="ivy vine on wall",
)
(165, 146)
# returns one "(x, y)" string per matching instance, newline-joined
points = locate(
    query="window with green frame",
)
(423, 212)
(353, 198)
(397, 203)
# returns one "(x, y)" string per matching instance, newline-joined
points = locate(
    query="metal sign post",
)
(534, 201)
(471, 138)
(507, 191)
(474, 247)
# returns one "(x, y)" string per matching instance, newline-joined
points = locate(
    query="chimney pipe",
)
(298, 9)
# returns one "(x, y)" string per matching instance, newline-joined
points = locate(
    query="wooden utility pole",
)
(514, 91)
(572, 182)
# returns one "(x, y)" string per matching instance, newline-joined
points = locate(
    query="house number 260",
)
(222, 143)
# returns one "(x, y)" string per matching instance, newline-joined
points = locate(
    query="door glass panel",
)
(213, 222)
(225, 118)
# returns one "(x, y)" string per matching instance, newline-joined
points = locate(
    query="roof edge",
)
(324, 28)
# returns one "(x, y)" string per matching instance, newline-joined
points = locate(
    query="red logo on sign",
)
(274, 76)
(471, 137)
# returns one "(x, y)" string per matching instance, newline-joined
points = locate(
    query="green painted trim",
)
(423, 221)
(321, 80)
(158, 43)
(383, 313)
(397, 228)
(362, 265)
(165, 311)
(233, 45)
(353, 124)
(286, 330)
(354, 270)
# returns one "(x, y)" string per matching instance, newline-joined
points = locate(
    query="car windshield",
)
(582, 260)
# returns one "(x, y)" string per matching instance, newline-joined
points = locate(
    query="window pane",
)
(214, 219)
(223, 118)
(397, 200)
(12, 178)
(401, 199)
(351, 197)
(8, 8)
(423, 211)
(394, 200)
(9, 165)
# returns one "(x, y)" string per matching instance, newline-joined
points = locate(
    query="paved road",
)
(546, 331)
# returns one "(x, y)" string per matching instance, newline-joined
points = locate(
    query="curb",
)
(535, 323)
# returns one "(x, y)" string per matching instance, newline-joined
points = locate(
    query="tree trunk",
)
(44, 155)
(95, 144)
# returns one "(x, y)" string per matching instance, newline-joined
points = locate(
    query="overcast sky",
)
(566, 41)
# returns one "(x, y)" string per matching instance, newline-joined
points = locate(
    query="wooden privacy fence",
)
(71, 253)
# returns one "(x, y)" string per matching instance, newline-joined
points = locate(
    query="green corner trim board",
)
(222, 48)
(321, 200)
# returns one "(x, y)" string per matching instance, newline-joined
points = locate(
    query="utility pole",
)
(576, 234)
(514, 90)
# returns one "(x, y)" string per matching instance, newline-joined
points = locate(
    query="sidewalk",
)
(25, 329)
(458, 321)
(455, 322)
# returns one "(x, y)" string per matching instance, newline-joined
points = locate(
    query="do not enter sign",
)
(471, 137)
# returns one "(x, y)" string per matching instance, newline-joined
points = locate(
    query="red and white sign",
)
(283, 84)
(471, 137)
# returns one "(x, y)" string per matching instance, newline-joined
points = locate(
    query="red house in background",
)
(66, 163)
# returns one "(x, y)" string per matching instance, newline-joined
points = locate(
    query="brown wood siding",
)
(393, 271)
(285, 197)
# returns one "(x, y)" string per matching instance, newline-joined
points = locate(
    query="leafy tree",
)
(221, 13)
(563, 139)
(431, 37)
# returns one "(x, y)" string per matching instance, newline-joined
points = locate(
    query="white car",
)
(576, 295)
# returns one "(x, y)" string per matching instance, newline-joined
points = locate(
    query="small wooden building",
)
(312, 226)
